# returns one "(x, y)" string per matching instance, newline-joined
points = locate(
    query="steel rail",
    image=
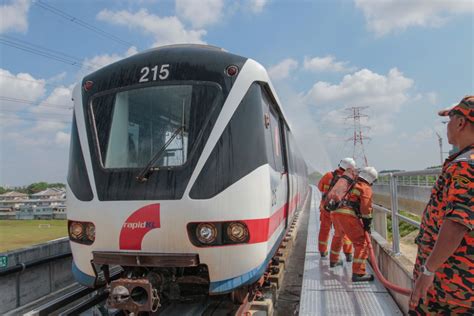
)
(68, 298)
(59, 302)
(86, 305)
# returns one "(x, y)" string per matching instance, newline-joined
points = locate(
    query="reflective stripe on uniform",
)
(356, 192)
(359, 260)
(326, 186)
(345, 211)
(335, 253)
(347, 242)
(323, 242)
(366, 216)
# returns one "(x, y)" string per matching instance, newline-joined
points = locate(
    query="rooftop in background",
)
(13, 195)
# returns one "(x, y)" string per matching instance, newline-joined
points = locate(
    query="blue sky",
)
(404, 59)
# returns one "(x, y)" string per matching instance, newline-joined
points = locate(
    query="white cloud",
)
(91, 64)
(165, 30)
(32, 125)
(62, 138)
(326, 64)
(200, 13)
(385, 95)
(14, 16)
(385, 16)
(282, 70)
(20, 86)
(362, 88)
(256, 6)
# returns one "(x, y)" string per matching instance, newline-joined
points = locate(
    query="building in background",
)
(47, 204)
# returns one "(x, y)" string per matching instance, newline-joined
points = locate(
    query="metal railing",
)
(400, 178)
(422, 178)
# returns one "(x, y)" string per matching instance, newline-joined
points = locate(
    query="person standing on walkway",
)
(444, 268)
(324, 185)
(347, 217)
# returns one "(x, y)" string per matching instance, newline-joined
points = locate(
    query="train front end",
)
(143, 131)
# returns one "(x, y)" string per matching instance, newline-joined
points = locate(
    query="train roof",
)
(188, 62)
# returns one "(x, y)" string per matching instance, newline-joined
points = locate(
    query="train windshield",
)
(133, 126)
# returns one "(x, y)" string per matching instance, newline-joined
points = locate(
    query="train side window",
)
(273, 136)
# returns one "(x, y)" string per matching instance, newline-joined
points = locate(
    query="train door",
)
(276, 152)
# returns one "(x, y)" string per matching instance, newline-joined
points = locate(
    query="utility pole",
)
(358, 151)
(440, 141)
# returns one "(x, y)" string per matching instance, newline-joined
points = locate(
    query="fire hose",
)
(385, 282)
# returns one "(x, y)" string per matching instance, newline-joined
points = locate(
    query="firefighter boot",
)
(336, 264)
(362, 277)
(349, 257)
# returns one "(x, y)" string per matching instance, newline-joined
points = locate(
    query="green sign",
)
(3, 261)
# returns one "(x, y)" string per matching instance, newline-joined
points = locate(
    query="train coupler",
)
(133, 296)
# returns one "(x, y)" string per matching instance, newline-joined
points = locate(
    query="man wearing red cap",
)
(444, 268)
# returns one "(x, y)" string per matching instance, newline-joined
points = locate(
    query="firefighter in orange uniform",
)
(324, 185)
(356, 205)
(444, 268)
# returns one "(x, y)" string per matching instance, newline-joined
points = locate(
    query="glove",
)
(367, 222)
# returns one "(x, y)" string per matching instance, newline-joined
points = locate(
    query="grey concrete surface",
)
(330, 291)
(23, 287)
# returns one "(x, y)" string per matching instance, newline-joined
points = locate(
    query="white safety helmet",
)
(347, 163)
(369, 174)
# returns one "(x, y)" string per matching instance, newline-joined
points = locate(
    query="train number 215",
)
(162, 74)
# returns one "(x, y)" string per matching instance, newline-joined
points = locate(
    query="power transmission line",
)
(30, 102)
(33, 81)
(45, 52)
(33, 119)
(81, 23)
(35, 113)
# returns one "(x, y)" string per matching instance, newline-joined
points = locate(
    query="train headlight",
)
(237, 232)
(90, 231)
(81, 232)
(76, 230)
(206, 233)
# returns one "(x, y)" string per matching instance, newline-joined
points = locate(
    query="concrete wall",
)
(20, 288)
(396, 269)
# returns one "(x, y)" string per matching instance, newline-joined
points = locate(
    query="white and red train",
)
(182, 169)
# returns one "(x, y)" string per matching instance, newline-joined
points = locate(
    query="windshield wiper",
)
(144, 174)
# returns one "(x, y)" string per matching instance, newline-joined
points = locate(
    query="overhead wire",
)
(31, 102)
(73, 19)
(45, 52)
(33, 81)
(35, 113)
(33, 119)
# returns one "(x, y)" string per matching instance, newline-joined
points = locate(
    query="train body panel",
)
(235, 173)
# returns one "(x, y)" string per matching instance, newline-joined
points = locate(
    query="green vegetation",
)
(15, 234)
(403, 228)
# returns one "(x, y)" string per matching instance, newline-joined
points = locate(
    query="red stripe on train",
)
(262, 229)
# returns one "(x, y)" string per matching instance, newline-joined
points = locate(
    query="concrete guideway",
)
(330, 291)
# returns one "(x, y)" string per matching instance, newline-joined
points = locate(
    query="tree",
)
(57, 185)
(37, 187)
(3, 190)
